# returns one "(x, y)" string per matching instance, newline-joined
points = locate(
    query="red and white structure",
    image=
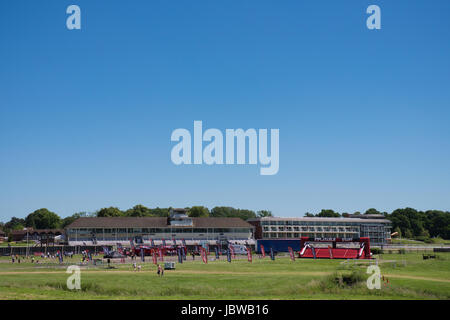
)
(310, 249)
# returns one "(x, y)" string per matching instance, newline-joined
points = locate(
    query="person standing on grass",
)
(158, 272)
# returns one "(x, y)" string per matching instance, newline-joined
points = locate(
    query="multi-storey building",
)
(112, 230)
(376, 228)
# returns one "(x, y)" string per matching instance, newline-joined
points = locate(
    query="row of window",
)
(157, 230)
(381, 239)
(313, 229)
(84, 238)
(272, 235)
(314, 223)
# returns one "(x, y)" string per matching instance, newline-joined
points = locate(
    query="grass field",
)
(417, 242)
(410, 277)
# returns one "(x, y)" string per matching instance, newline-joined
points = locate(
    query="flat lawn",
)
(410, 277)
(417, 242)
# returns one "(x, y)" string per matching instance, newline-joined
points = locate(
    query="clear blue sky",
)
(86, 116)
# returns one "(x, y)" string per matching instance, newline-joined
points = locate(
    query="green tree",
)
(425, 234)
(231, 212)
(244, 214)
(160, 212)
(408, 234)
(14, 224)
(438, 223)
(221, 212)
(43, 219)
(397, 229)
(328, 213)
(372, 211)
(110, 212)
(408, 218)
(138, 211)
(264, 213)
(198, 211)
(68, 220)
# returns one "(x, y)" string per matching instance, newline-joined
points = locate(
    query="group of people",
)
(160, 269)
(137, 267)
(16, 258)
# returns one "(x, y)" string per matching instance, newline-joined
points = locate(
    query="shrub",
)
(344, 279)
(376, 251)
(423, 238)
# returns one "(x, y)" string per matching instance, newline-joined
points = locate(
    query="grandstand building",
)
(178, 226)
(375, 227)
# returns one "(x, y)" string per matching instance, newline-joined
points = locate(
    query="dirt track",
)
(299, 273)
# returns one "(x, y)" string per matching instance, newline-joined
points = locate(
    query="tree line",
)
(407, 222)
(46, 219)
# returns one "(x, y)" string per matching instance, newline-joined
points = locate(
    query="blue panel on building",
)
(280, 245)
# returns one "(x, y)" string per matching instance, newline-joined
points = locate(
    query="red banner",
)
(263, 252)
(232, 252)
(155, 258)
(291, 252)
(249, 254)
(204, 255)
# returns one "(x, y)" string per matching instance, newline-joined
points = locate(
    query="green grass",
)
(410, 277)
(16, 244)
(419, 242)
